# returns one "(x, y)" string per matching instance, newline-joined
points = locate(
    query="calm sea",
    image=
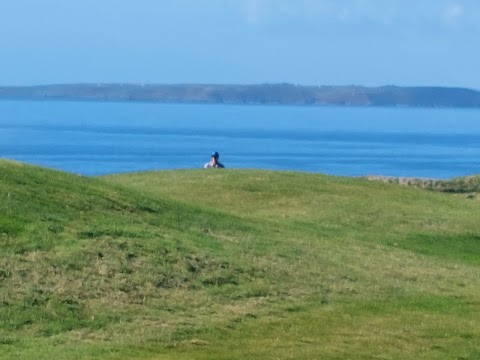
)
(102, 138)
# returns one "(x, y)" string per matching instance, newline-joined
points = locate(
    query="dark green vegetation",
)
(272, 94)
(469, 185)
(234, 265)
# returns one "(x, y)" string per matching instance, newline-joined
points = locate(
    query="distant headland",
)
(262, 94)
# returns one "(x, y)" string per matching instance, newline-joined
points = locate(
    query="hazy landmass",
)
(268, 94)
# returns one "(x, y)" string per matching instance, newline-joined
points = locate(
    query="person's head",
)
(215, 156)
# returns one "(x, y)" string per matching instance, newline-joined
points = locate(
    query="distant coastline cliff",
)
(267, 94)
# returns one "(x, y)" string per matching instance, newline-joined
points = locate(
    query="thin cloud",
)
(453, 12)
(254, 11)
(269, 11)
(266, 11)
(384, 13)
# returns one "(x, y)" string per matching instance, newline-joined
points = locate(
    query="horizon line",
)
(239, 84)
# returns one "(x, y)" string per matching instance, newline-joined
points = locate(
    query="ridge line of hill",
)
(260, 94)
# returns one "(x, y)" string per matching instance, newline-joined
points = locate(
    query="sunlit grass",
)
(234, 265)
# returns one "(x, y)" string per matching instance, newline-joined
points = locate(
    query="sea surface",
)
(93, 138)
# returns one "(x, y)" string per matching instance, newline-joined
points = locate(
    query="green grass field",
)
(234, 264)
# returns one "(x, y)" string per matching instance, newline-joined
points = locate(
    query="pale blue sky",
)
(334, 42)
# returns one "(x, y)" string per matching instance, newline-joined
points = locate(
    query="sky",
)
(308, 42)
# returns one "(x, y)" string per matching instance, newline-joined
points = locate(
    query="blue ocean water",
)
(102, 138)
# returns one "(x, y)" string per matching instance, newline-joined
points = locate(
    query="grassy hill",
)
(234, 265)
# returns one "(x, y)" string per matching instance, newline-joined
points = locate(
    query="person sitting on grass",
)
(214, 163)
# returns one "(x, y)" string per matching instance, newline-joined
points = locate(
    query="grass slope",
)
(234, 265)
